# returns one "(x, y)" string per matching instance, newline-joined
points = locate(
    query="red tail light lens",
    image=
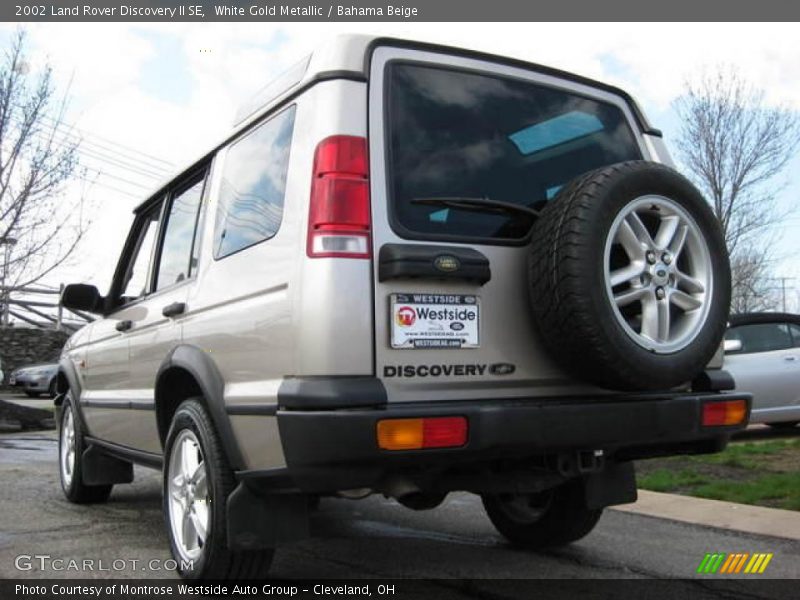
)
(420, 433)
(339, 214)
(726, 412)
(444, 432)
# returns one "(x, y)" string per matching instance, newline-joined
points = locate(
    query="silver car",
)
(762, 352)
(36, 380)
(407, 270)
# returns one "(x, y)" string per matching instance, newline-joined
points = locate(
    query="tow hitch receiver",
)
(581, 463)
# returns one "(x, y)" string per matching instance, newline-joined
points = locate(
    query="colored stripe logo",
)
(737, 562)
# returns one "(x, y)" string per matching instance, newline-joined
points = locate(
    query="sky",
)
(149, 98)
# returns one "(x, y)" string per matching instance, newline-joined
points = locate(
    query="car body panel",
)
(506, 326)
(269, 314)
(771, 375)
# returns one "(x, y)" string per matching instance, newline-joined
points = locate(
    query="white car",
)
(762, 352)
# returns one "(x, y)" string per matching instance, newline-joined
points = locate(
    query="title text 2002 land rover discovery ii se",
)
(409, 270)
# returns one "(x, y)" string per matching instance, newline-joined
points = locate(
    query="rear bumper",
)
(36, 386)
(330, 449)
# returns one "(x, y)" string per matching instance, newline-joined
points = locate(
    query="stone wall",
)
(22, 346)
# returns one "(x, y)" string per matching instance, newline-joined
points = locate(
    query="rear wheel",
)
(70, 449)
(197, 483)
(551, 518)
(784, 425)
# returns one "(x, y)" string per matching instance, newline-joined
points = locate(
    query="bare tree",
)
(40, 225)
(734, 147)
(752, 292)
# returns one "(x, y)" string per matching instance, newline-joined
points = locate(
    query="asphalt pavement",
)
(372, 538)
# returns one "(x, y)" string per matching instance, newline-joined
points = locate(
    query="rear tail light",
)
(417, 434)
(724, 412)
(339, 214)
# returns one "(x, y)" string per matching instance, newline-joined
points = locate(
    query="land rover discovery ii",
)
(408, 270)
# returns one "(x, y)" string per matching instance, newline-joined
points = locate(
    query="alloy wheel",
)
(189, 502)
(67, 455)
(658, 274)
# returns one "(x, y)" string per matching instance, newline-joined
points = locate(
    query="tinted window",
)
(761, 337)
(176, 252)
(253, 185)
(135, 281)
(795, 329)
(458, 134)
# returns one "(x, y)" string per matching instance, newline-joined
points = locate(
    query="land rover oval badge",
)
(446, 263)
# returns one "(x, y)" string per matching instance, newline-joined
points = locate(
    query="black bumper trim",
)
(323, 447)
(327, 393)
(251, 409)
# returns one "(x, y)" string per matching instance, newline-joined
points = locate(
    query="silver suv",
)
(408, 270)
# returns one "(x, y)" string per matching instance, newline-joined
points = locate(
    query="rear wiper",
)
(481, 205)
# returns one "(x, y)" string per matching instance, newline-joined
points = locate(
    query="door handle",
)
(124, 325)
(174, 309)
(790, 358)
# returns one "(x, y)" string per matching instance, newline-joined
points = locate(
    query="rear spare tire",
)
(629, 278)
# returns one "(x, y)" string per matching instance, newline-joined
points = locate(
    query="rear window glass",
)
(457, 134)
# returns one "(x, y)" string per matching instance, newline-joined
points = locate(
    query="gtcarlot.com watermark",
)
(46, 562)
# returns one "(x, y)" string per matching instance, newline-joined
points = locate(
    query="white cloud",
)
(108, 61)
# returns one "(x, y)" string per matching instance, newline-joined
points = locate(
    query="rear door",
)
(156, 327)
(452, 318)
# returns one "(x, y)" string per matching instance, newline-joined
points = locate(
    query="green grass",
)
(762, 473)
(750, 455)
(776, 489)
(664, 480)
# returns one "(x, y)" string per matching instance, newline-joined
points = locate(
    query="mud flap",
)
(99, 468)
(616, 484)
(265, 521)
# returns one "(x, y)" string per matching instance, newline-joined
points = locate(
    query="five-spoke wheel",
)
(658, 273)
(189, 500)
(197, 482)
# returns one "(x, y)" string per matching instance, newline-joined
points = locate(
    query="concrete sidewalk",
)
(757, 520)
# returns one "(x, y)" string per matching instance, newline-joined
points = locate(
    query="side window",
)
(253, 185)
(762, 337)
(795, 329)
(176, 258)
(134, 283)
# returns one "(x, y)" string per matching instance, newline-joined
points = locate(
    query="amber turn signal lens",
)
(724, 412)
(400, 434)
(416, 434)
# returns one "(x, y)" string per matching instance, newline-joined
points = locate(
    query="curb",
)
(774, 522)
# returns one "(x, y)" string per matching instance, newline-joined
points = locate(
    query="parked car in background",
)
(762, 352)
(36, 379)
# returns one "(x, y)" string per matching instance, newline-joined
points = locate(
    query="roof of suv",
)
(347, 57)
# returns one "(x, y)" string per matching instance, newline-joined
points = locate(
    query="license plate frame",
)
(446, 321)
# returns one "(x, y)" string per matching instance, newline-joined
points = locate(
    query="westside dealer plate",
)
(434, 321)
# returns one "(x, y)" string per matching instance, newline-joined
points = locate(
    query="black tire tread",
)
(225, 564)
(79, 492)
(784, 425)
(566, 521)
(568, 324)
